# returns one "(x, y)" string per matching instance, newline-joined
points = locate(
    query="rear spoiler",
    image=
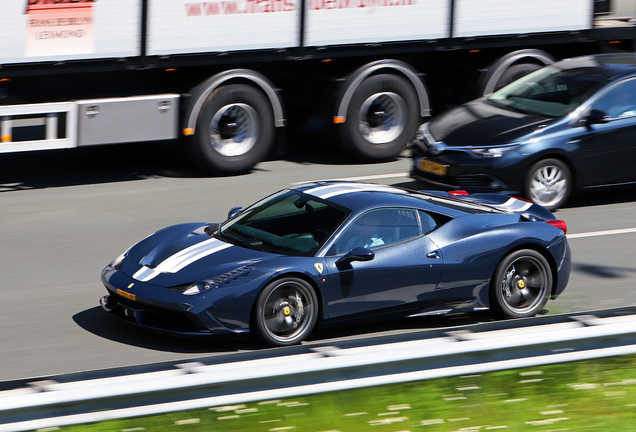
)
(525, 208)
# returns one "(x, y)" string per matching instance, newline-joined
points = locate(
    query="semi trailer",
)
(222, 78)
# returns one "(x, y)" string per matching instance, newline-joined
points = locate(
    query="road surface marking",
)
(602, 233)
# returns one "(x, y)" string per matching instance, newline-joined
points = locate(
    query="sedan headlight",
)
(217, 281)
(493, 152)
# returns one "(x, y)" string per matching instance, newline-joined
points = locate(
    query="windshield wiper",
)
(233, 239)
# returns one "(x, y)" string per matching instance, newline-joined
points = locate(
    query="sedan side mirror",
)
(597, 117)
(356, 254)
(234, 211)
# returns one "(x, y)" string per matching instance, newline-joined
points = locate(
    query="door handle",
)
(432, 255)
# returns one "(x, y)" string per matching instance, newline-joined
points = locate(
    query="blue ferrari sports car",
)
(326, 253)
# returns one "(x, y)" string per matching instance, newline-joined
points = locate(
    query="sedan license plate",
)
(127, 295)
(433, 167)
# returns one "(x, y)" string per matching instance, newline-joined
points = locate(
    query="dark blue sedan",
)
(326, 253)
(568, 127)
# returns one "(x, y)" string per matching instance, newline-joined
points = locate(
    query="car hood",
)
(479, 123)
(183, 254)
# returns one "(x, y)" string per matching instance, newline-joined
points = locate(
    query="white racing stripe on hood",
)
(181, 259)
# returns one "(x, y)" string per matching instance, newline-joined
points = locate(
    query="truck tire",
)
(235, 130)
(382, 117)
(515, 72)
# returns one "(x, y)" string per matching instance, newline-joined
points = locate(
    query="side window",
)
(428, 222)
(378, 228)
(619, 101)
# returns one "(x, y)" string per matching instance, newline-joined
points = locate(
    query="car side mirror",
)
(234, 211)
(597, 117)
(356, 254)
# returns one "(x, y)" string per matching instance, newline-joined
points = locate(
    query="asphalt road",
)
(65, 214)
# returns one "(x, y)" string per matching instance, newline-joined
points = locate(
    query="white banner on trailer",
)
(336, 22)
(498, 17)
(61, 30)
(191, 26)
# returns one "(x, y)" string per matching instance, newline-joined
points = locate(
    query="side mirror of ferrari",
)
(234, 211)
(597, 117)
(356, 254)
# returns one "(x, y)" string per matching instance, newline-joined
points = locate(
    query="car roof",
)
(604, 66)
(358, 197)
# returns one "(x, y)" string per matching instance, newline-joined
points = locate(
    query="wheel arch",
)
(397, 67)
(537, 248)
(492, 75)
(201, 92)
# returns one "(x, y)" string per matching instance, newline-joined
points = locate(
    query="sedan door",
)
(401, 276)
(606, 151)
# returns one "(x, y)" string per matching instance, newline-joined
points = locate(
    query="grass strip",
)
(592, 395)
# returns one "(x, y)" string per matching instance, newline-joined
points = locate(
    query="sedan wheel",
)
(521, 284)
(549, 183)
(286, 312)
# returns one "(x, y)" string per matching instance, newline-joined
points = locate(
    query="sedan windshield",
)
(549, 92)
(288, 222)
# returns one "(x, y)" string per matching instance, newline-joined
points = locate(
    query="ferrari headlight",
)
(493, 152)
(201, 286)
(117, 262)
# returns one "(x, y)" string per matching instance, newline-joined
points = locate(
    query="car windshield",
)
(549, 92)
(288, 222)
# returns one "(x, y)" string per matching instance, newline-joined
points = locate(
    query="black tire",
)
(521, 284)
(382, 117)
(515, 72)
(285, 312)
(548, 183)
(235, 130)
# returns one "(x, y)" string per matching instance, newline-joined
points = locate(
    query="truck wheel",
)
(548, 183)
(285, 312)
(381, 118)
(521, 284)
(235, 130)
(515, 72)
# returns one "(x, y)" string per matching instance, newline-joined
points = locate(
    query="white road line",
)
(602, 233)
(370, 177)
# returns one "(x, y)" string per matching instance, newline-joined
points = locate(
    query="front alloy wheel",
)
(521, 284)
(286, 312)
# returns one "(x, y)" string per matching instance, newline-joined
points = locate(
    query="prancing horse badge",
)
(318, 267)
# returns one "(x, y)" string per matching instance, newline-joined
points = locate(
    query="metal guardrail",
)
(296, 371)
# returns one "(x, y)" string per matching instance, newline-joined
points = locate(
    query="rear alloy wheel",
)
(382, 117)
(549, 183)
(521, 284)
(286, 312)
(235, 130)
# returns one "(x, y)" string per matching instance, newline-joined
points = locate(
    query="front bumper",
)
(160, 312)
(467, 176)
(460, 168)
